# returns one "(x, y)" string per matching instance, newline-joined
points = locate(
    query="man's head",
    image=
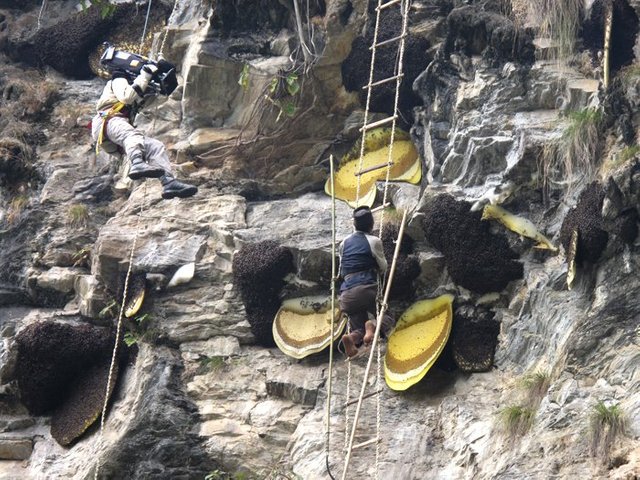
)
(363, 219)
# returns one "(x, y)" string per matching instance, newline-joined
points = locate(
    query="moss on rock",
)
(476, 259)
(586, 218)
(258, 271)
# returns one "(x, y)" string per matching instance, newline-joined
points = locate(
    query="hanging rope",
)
(42, 9)
(114, 355)
(146, 22)
(333, 315)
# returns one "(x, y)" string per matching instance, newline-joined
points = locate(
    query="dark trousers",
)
(358, 302)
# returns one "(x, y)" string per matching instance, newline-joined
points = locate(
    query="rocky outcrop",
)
(203, 386)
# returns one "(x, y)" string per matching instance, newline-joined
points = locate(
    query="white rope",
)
(146, 22)
(333, 314)
(368, 102)
(42, 9)
(118, 330)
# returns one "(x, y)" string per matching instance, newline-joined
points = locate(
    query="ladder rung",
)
(375, 167)
(365, 444)
(370, 394)
(381, 82)
(386, 42)
(379, 123)
(374, 210)
(388, 4)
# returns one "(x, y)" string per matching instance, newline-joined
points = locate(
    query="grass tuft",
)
(517, 419)
(78, 215)
(17, 205)
(558, 20)
(607, 424)
(536, 386)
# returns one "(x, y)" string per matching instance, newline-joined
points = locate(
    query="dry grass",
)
(608, 423)
(78, 215)
(558, 20)
(574, 157)
(16, 206)
(535, 386)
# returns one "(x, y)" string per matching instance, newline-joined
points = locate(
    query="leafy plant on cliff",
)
(106, 8)
(607, 424)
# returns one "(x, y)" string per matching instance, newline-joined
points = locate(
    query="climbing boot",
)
(173, 188)
(141, 169)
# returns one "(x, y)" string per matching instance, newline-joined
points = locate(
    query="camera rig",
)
(163, 82)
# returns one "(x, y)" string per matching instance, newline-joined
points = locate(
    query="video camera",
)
(163, 82)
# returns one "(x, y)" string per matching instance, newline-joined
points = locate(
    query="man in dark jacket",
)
(361, 259)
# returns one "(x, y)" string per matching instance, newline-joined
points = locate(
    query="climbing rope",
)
(146, 22)
(114, 355)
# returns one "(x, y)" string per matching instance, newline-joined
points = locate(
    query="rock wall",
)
(490, 116)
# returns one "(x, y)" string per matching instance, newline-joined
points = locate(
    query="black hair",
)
(363, 219)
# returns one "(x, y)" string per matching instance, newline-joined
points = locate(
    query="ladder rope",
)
(118, 330)
(383, 310)
(333, 315)
(380, 309)
(368, 103)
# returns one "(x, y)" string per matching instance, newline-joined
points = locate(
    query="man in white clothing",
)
(112, 127)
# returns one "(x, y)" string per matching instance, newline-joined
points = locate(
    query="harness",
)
(115, 111)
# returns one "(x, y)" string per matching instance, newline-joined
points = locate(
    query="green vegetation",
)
(131, 338)
(517, 420)
(575, 154)
(109, 310)
(212, 364)
(78, 215)
(81, 257)
(243, 81)
(535, 386)
(282, 89)
(607, 424)
(105, 6)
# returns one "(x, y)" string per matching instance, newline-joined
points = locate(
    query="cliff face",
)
(494, 119)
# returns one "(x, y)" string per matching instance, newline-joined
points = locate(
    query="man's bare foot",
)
(370, 331)
(349, 346)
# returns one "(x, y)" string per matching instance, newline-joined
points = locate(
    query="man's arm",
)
(130, 94)
(378, 252)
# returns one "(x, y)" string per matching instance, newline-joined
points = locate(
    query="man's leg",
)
(351, 303)
(157, 156)
(122, 133)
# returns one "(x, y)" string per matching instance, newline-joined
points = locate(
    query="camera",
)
(163, 82)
